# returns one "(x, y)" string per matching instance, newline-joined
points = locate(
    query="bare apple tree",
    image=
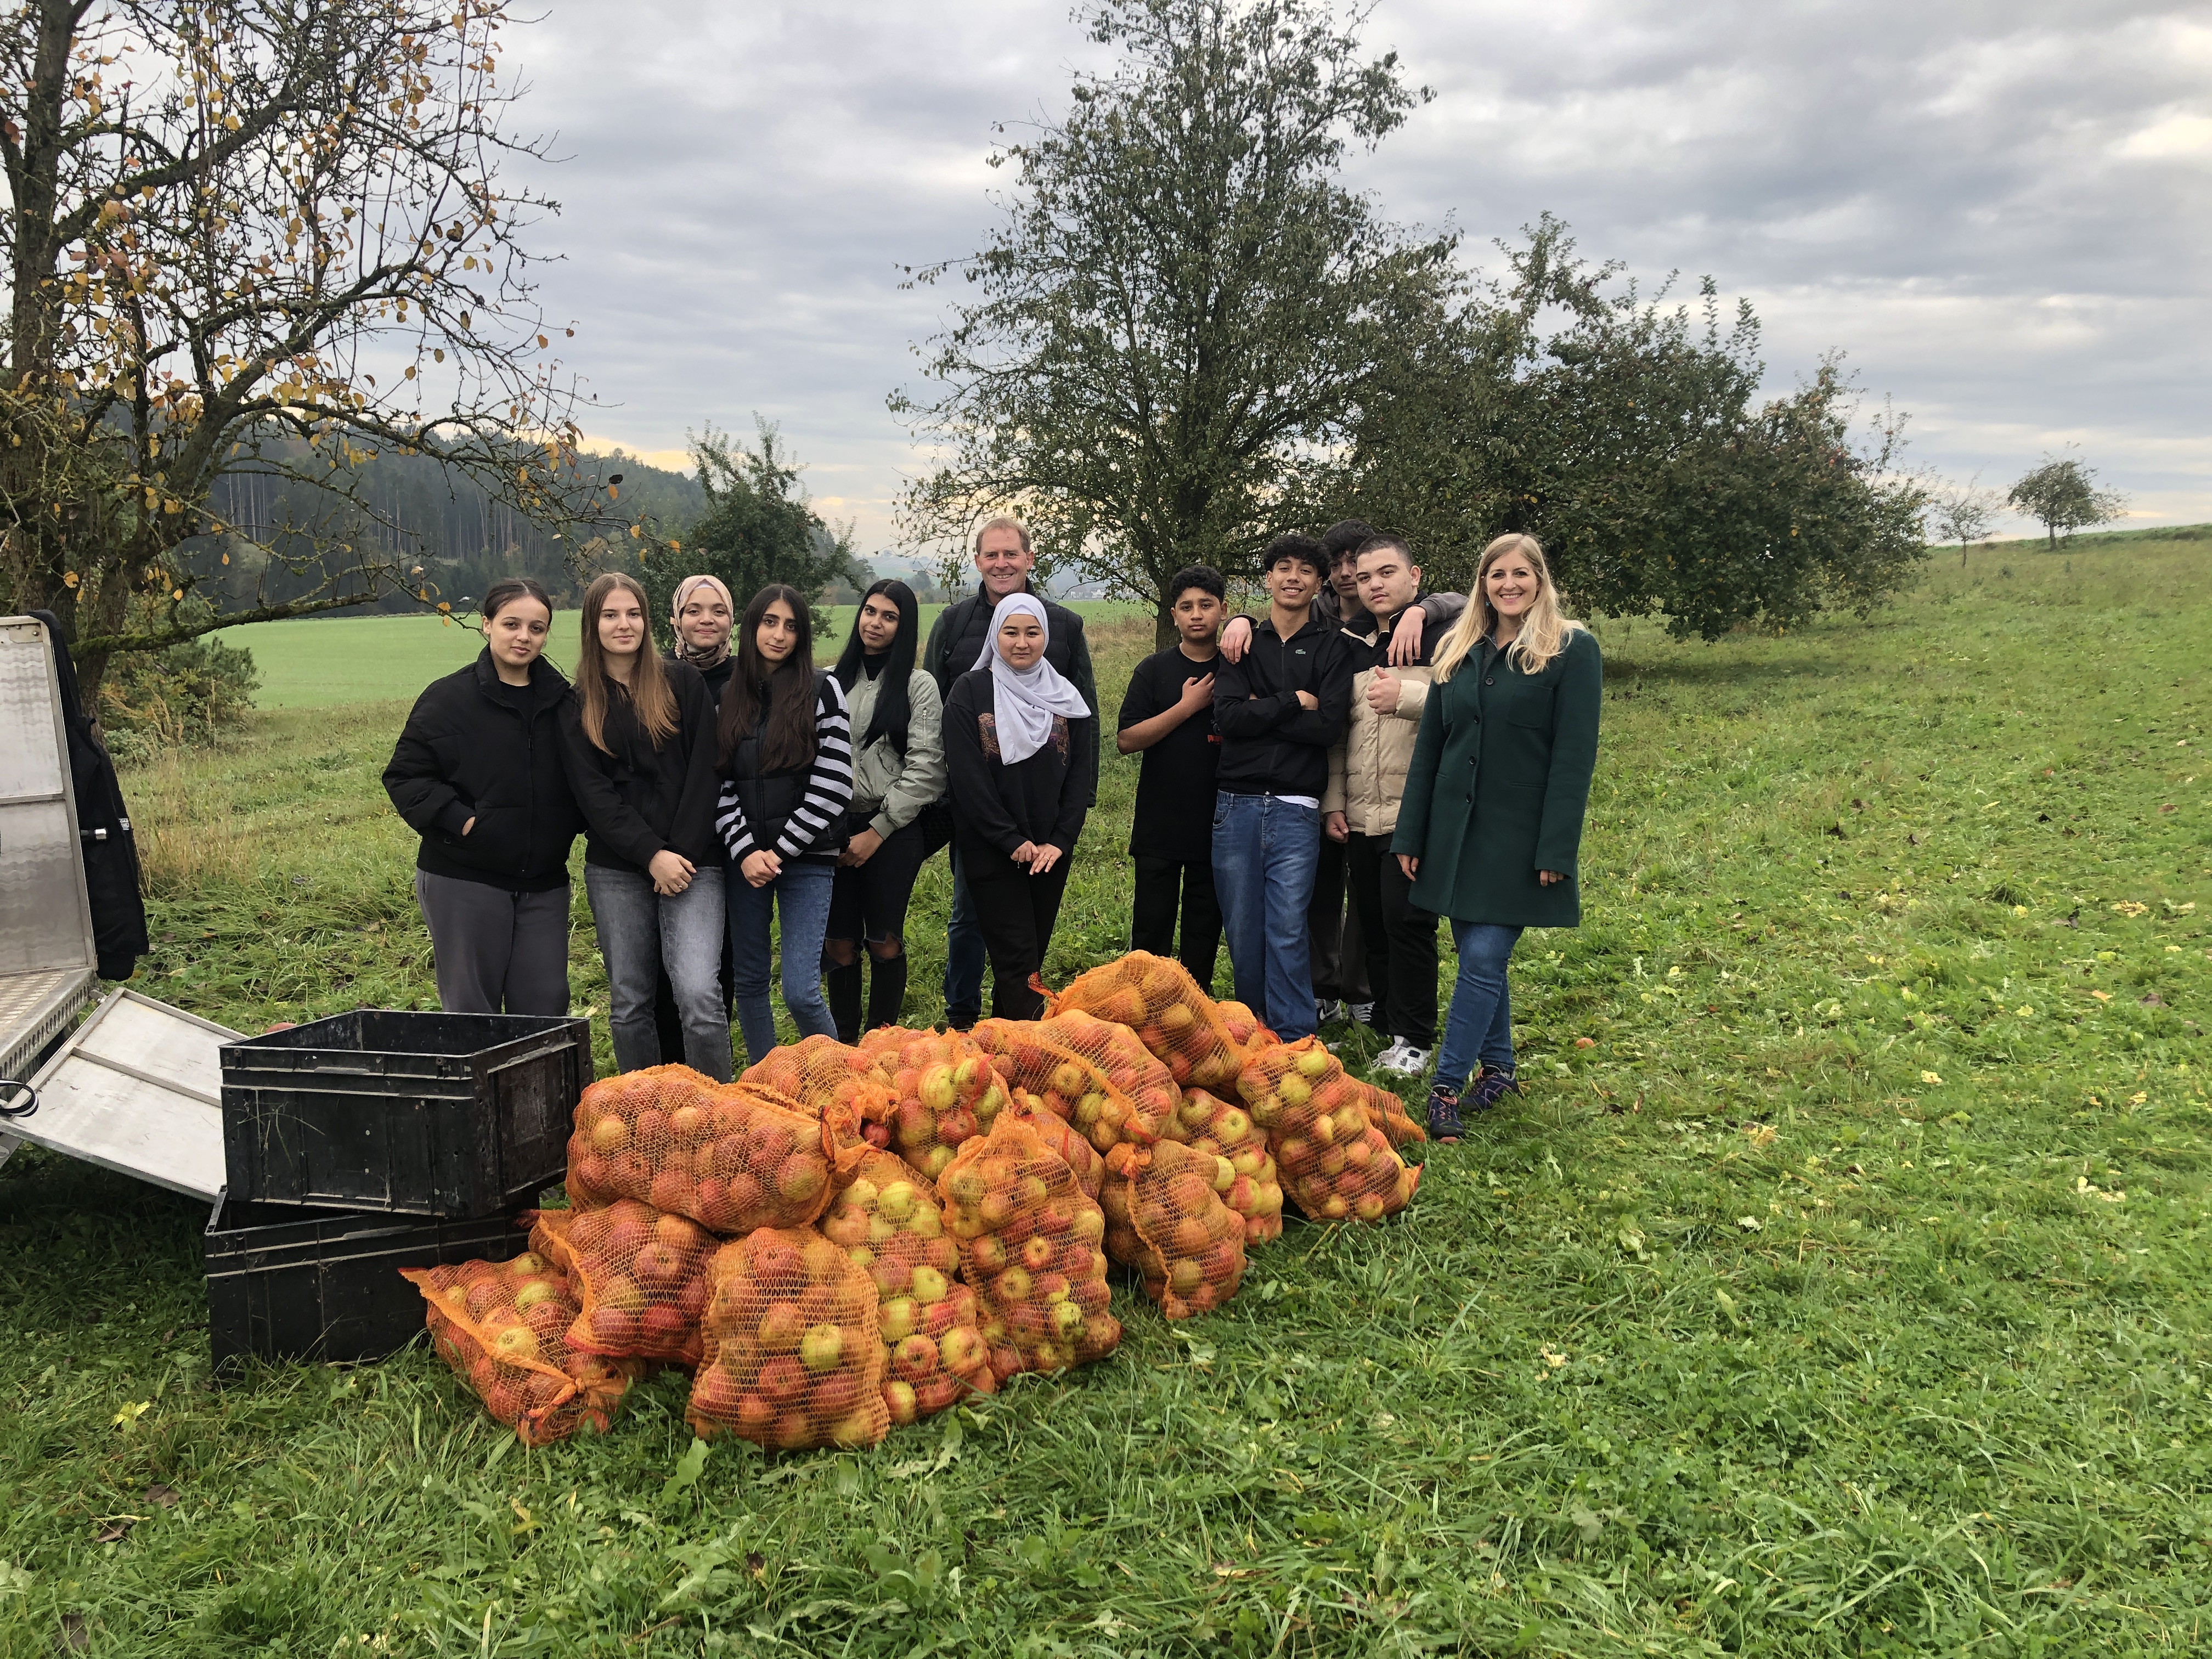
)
(259, 237)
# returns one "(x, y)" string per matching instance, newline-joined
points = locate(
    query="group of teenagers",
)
(1427, 756)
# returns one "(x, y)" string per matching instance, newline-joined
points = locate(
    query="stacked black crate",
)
(372, 1141)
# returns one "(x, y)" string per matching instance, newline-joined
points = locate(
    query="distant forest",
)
(429, 515)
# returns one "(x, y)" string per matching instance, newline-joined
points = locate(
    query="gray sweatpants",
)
(496, 952)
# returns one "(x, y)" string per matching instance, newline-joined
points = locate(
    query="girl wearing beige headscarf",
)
(701, 613)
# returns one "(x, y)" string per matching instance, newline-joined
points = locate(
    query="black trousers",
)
(1401, 939)
(870, 902)
(1163, 887)
(1333, 947)
(1016, 912)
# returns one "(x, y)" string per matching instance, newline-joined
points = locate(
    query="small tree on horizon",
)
(2061, 494)
(1963, 513)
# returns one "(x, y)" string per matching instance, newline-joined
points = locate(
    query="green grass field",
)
(1838, 1288)
(340, 661)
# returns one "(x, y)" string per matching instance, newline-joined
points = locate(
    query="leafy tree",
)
(1184, 307)
(264, 238)
(1963, 513)
(2061, 494)
(1632, 443)
(758, 528)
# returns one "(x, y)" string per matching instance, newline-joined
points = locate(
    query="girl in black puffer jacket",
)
(478, 773)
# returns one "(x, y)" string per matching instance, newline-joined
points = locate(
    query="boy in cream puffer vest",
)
(1366, 780)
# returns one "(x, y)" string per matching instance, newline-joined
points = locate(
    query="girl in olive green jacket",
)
(898, 769)
(1491, 823)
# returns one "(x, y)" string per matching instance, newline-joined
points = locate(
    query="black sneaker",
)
(1488, 1087)
(1443, 1116)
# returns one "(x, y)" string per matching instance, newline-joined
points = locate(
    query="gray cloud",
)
(1999, 211)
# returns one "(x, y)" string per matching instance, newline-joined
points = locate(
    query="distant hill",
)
(440, 520)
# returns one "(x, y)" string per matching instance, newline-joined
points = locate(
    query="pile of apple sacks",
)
(824, 1211)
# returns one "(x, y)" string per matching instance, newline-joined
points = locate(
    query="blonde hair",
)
(1003, 521)
(1543, 626)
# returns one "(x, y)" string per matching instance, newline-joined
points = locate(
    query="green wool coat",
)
(1500, 778)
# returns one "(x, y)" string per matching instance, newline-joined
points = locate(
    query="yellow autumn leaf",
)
(1930, 1077)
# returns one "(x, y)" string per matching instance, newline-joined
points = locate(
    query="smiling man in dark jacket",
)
(1277, 711)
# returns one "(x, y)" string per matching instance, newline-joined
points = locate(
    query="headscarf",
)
(714, 657)
(1027, 699)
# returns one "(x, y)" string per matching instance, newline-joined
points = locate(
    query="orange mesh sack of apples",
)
(1388, 1113)
(1244, 1025)
(502, 1326)
(887, 1222)
(1156, 997)
(1063, 1138)
(1225, 1129)
(793, 1359)
(1065, 1062)
(844, 1087)
(946, 1091)
(1032, 1244)
(640, 1278)
(1334, 1162)
(731, 1157)
(1186, 1243)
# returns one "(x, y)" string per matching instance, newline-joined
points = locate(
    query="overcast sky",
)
(1998, 210)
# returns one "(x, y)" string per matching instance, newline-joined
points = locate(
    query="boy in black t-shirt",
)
(1168, 712)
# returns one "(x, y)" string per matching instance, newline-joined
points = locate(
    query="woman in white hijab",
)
(1018, 740)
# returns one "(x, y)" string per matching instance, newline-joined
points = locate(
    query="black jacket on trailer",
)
(1271, 743)
(996, 806)
(475, 747)
(109, 850)
(961, 631)
(638, 801)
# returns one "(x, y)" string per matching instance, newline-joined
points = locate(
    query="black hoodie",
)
(1271, 743)
(475, 747)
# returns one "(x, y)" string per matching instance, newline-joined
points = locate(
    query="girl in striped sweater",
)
(786, 765)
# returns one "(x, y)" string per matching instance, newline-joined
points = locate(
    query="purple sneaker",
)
(1443, 1116)
(1488, 1086)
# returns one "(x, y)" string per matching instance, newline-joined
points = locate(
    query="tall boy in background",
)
(1366, 781)
(1168, 715)
(1277, 711)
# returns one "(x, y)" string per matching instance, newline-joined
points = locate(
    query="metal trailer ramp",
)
(47, 953)
(138, 1088)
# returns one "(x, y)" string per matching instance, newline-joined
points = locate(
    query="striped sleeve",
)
(730, 823)
(828, 781)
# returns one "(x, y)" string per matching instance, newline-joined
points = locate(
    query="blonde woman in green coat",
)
(1492, 818)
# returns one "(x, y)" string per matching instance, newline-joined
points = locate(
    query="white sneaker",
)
(1402, 1058)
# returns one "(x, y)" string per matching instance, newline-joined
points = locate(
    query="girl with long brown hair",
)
(787, 767)
(639, 744)
(1511, 722)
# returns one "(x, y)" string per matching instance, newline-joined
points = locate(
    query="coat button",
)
(1490, 682)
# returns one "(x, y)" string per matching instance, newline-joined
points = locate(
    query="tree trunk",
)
(1164, 632)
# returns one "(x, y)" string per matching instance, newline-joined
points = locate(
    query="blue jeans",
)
(1480, 1025)
(964, 952)
(1265, 849)
(641, 932)
(801, 894)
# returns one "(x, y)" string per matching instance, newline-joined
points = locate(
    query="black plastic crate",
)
(287, 1283)
(456, 1115)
